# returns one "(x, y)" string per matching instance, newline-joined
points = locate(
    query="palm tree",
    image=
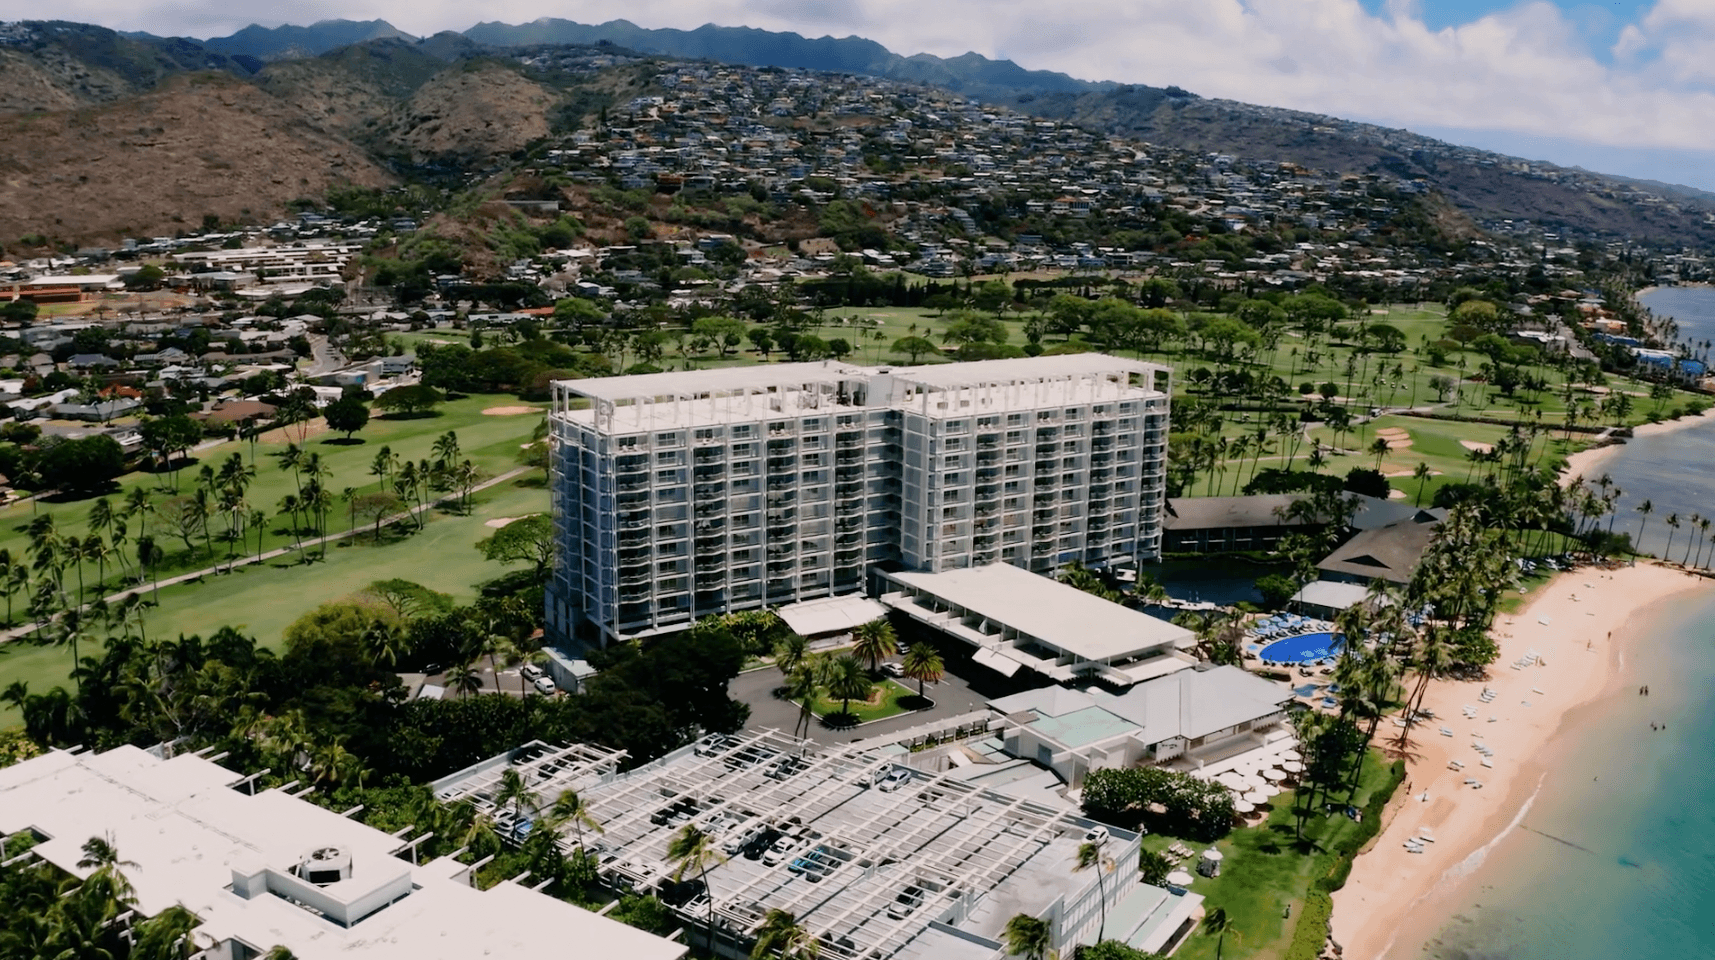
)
(1090, 855)
(923, 664)
(801, 687)
(848, 681)
(875, 642)
(781, 934)
(464, 679)
(100, 855)
(1644, 510)
(693, 851)
(513, 792)
(790, 652)
(1028, 937)
(1672, 527)
(1219, 922)
(569, 808)
(1421, 474)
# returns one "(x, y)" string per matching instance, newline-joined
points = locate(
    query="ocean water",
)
(1615, 856)
(1674, 471)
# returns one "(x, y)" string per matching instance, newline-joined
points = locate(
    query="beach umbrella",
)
(1273, 774)
(1257, 797)
(1244, 806)
(1292, 755)
(1292, 766)
(1179, 878)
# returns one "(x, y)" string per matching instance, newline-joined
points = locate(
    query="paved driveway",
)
(969, 689)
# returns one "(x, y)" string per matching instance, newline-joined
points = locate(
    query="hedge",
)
(1345, 850)
(1312, 930)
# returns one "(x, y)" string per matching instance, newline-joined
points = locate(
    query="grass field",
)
(493, 443)
(1264, 870)
(263, 599)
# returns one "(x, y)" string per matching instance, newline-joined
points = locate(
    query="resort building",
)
(1185, 721)
(1017, 619)
(269, 870)
(678, 495)
(873, 858)
(1389, 553)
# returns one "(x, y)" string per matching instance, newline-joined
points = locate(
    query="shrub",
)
(1312, 930)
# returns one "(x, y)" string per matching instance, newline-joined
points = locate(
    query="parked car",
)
(544, 686)
(1097, 835)
(780, 850)
(712, 744)
(532, 671)
(896, 778)
(906, 903)
(893, 668)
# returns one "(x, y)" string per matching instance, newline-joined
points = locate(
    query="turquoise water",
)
(1615, 857)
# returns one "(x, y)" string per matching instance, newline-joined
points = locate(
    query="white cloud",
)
(1525, 70)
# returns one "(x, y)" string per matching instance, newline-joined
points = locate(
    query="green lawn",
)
(493, 443)
(1264, 870)
(883, 703)
(262, 600)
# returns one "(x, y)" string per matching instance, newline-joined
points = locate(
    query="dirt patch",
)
(499, 522)
(1478, 447)
(509, 411)
(295, 433)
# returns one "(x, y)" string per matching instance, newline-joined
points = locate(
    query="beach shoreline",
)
(1587, 463)
(1395, 901)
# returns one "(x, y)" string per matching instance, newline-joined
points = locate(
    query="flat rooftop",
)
(1052, 613)
(193, 837)
(978, 855)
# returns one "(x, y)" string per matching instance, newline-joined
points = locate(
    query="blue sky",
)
(1626, 86)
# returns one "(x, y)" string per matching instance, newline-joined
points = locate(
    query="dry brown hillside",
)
(51, 80)
(201, 144)
(473, 110)
(351, 91)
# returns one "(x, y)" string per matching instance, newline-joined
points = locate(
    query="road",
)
(324, 357)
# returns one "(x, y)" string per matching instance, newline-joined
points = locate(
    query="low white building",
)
(1019, 619)
(271, 870)
(1185, 720)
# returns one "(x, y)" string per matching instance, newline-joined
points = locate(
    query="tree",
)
(82, 466)
(693, 851)
(802, 685)
(923, 664)
(570, 809)
(512, 792)
(1028, 937)
(1218, 922)
(415, 400)
(376, 507)
(848, 681)
(782, 935)
(874, 641)
(726, 333)
(524, 540)
(1153, 868)
(347, 415)
(914, 347)
(1090, 855)
(1644, 510)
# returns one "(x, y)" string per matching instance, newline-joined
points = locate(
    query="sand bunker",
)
(1479, 447)
(499, 522)
(509, 411)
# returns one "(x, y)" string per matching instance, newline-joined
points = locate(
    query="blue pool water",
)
(1300, 649)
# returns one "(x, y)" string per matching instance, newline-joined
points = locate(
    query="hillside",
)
(203, 144)
(354, 89)
(276, 43)
(54, 65)
(469, 112)
(1488, 186)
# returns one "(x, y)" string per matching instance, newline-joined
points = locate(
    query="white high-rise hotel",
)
(678, 495)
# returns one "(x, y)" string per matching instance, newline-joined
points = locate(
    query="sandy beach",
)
(1588, 463)
(1581, 625)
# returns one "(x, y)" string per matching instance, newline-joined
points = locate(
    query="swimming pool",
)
(1302, 649)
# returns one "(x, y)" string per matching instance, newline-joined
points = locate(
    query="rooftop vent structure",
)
(325, 865)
